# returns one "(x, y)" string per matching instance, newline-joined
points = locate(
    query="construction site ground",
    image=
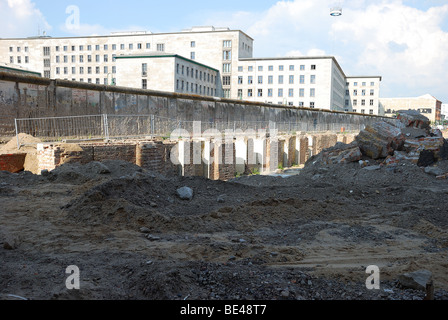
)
(304, 237)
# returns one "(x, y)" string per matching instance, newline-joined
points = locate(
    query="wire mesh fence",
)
(105, 127)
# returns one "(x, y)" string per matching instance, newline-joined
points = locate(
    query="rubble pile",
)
(391, 143)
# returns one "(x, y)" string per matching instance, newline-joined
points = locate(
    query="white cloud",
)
(403, 41)
(21, 18)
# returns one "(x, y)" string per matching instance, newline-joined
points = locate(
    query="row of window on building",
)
(98, 70)
(189, 87)
(363, 102)
(195, 73)
(106, 81)
(47, 50)
(363, 92)
(280, 93)
(19, 59)
(65, 59)
(363, 84)
(280, 68)
(260, 80)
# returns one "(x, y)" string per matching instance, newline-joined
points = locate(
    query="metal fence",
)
(105, 127)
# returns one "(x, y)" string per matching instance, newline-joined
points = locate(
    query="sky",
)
(404, 41)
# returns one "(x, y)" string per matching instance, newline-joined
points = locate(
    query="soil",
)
(304, 237)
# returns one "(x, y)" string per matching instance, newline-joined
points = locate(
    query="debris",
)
(185, 193)
(434, 171)
(417, 280)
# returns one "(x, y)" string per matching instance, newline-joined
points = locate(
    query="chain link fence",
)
(105, 127)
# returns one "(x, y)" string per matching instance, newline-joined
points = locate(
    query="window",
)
(240, 93)
(280, 79)
(65, 70)
(73, 48)
(355, 102)
(280, 68)
(301, 104)
(106, 58)
(227, 43)
(291, 93)
(372, 84)
(250, 80)
(280, 92)
(302, 79)
(193, 44)
(58, 70)
(240, 80)
(347, 92)
(18, 49)
(106, 70)
(81, 70)
(193, 55)
(89, 80)
(97, 80)
(347, 102)
(46, 63)
(81, 59)
(97, 58)
(371, 111)
(301, 93)
(313, 67)
(363, 92)
(364, 84)
(313, 79)
(65, 59)
(249, 92)
(260, 68)
(312, 92)
(270, 79)
(371, 102)
(89, 48)
(73, 70)
(302, 68)
(226, 81)
(161, 47)
(65, 48)
(97, 70)
(11, 59)
(144, 84)
(47, 74)
(363, 102)
(355, 84)
(19, 59)
(89, 58)
(81, 48)
(372, 92)
(27, 59)
(269, 92)
(291, 68)
(260, 92)
(240, 69)
(355, 92)
(114, 56)
(312, 105)
(139, 46)
(250, 68)
(148, 46)
(122, 46)
(11, 49)
(291, 79)
(89, 70)
(97, 47)
(46, 51)
(73, 59)
(58, 59)
(271, 68)
(144, 69)
(260, 79)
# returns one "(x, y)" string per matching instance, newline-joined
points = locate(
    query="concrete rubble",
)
(390, 144)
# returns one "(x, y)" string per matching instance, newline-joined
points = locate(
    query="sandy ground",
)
(308, 236)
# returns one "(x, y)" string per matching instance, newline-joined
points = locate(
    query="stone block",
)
(341, 153)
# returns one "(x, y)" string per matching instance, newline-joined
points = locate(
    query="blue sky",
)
(405, 41)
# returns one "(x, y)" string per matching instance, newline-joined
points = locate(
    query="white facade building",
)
(362, 95)
(167, 72)
(314, 82)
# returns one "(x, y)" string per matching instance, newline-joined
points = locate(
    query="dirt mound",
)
(28, 146)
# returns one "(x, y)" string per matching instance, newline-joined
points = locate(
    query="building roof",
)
(4, 66)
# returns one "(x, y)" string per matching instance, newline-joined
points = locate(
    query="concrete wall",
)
(33, 97)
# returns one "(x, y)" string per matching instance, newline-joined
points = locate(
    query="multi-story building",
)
(227, 55)
(313, 82)
(362, 94)
(5, 67)
(167, 72)
(427, 105)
